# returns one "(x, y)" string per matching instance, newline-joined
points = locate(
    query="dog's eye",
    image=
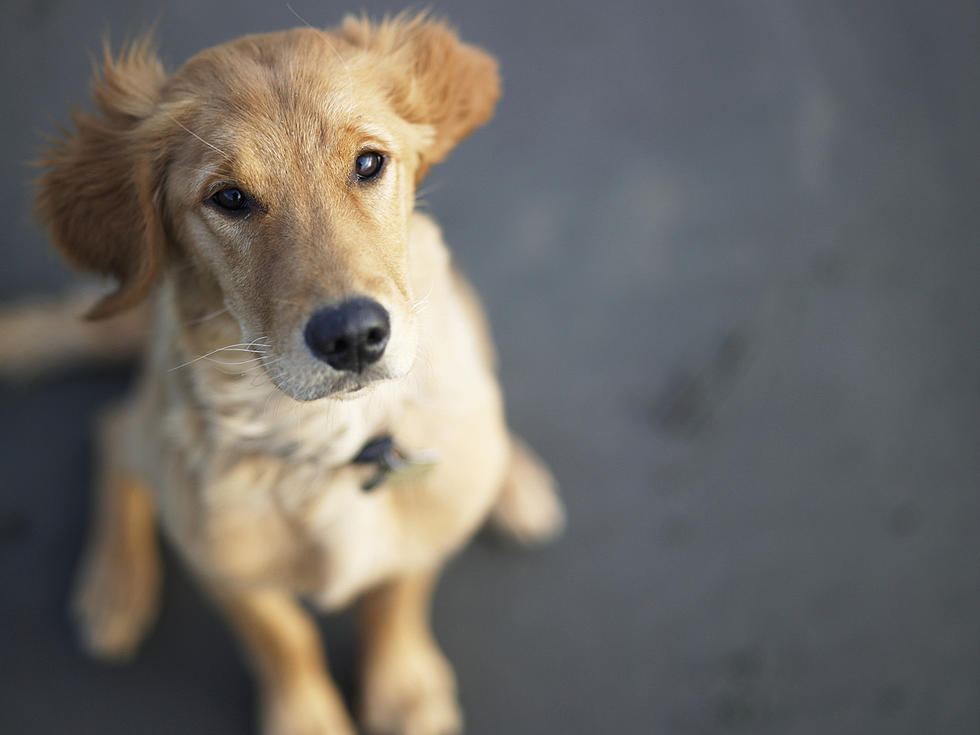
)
(231, 200)
(368, 165)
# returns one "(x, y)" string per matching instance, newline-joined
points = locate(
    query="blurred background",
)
(730, 252)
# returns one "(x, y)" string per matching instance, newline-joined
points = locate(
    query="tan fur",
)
(244, 452)
(42, 336)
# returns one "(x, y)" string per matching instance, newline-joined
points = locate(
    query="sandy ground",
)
(730, 252)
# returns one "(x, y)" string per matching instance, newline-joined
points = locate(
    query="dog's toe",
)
(433, 716)
(114, 603)
(412, 693)
(307, 708)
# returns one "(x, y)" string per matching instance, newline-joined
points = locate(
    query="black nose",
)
(349, 336)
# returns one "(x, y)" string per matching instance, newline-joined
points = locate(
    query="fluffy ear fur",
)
(99, 194)
(436, 79)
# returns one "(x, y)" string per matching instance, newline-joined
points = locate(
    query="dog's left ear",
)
(436, 79)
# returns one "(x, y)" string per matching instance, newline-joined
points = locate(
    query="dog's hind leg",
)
(408, 685)
(117, 587)
(528, 508)
(283, 645)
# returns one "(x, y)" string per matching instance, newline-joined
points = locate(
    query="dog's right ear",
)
(435, 79)
(99, 194)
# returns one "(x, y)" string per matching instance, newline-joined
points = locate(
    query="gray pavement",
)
(730, 252)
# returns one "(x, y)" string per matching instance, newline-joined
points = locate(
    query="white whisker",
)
(299, 17)
(419, 305)
(262, 365)
(252, 347)
(204, 318)
(209, 145)
(326, 37)
(429, 187)
(234, 362)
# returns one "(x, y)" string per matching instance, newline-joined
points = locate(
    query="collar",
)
(386, 458)
(392, 462)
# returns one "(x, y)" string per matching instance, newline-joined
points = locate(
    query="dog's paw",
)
(411, 692)
(115, 600)
(528, 509)
(310, 707)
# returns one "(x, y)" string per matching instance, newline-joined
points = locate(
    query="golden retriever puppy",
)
(318, 416)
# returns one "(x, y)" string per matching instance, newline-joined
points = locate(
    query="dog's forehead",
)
(281, 101)
(300, 54)
(296, 78)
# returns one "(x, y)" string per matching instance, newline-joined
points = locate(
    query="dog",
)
(318, 416)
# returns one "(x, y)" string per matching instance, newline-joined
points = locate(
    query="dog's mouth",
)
(352, 387)
(307, 385)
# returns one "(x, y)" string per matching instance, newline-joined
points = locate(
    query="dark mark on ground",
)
(691, 399)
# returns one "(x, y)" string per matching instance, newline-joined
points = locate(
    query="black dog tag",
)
(391, 462)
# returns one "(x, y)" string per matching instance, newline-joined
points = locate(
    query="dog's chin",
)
(305, 379)
(341, 387)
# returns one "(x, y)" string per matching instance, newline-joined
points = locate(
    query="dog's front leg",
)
(281, 640)
(117, 587)
(408, 686)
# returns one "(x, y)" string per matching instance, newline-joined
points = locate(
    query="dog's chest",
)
(276, 499)
(262, 493)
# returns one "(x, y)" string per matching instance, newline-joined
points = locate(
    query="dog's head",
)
(280, 170)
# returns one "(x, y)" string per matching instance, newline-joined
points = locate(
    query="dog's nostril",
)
(349, 336)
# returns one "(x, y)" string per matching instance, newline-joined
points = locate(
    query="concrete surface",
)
(730, 251)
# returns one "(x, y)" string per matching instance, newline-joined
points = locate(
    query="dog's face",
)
(297, 203)
(281, 168)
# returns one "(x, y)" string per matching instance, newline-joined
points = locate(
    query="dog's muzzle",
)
(350, 336)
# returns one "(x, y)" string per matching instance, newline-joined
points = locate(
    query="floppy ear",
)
(436, 79)
(99, 194)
